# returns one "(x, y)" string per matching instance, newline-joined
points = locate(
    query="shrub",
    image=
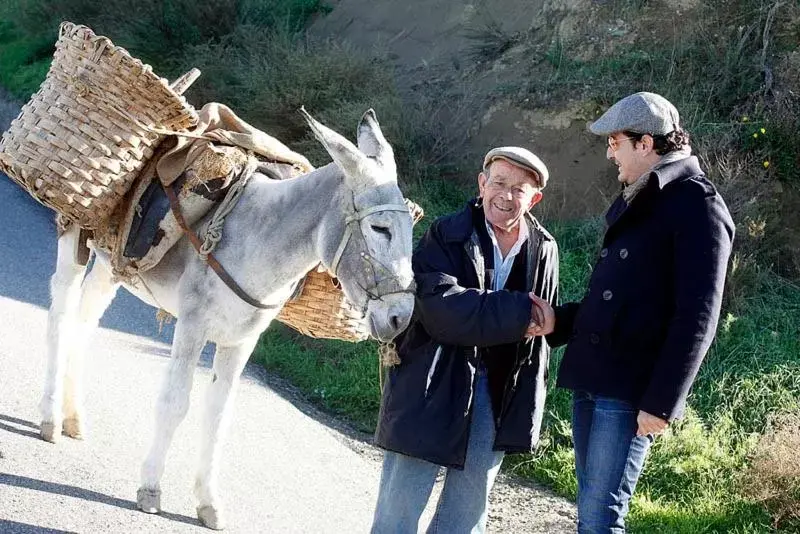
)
(773, 477)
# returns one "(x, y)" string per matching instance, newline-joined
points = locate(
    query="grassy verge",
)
(342, 377)
(24, 60)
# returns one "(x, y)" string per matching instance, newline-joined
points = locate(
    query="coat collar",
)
(684, 168)
(659, 179)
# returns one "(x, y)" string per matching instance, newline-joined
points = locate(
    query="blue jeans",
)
(609, 458)
(406, 482)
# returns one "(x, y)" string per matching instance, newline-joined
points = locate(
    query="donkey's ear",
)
(372, 143)
(344, 153)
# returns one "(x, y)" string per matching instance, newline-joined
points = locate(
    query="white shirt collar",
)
(502, 266)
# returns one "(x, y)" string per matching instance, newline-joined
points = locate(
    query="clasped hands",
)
(543, 318)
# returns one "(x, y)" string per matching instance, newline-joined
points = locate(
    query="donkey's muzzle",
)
(390, 315)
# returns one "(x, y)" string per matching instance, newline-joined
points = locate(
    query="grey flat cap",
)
(521, 158)
(643, 113)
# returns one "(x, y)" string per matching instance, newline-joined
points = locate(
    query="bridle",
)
(378, 288)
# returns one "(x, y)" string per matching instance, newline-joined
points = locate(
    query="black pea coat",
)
(427, 399)
(653, 302)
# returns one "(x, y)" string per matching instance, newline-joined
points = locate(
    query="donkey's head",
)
(367, 244)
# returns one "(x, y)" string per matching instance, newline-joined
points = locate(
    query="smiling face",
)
(632, 157)
(508, 191)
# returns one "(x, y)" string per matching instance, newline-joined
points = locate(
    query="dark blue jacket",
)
(426, 407)
(651, 309)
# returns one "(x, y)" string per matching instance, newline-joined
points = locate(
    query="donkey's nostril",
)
(395, 321)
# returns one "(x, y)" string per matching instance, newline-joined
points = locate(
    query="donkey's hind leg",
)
(172, 405)
(97, 292)
(228, 365)
(65, 296)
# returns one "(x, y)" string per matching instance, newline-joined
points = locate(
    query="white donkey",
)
(348, 215)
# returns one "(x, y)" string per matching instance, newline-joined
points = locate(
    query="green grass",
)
(24, 60)
(340, 376)
(161, 33)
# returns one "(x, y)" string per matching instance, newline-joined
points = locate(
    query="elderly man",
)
(471, 382)
(636, 340)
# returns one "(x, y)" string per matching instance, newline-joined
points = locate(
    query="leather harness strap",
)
(350, 221)
(209, 258)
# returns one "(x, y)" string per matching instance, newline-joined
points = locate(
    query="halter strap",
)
(355, 217)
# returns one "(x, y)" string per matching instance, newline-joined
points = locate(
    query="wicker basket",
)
(84, 136)
(322, 311)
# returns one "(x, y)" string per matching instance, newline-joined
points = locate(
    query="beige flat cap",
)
(521, 158)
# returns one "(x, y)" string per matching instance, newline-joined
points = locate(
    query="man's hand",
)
(650, 424)
(543, 318)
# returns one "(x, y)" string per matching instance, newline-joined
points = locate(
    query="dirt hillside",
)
(515, 71)
(470, 50)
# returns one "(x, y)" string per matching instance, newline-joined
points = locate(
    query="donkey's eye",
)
(383, 230)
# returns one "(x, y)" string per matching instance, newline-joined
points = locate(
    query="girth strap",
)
(212, 262)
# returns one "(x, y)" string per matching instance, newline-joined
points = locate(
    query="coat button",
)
(604, 253)
(607, 294)
(623, 253)
(594, 339)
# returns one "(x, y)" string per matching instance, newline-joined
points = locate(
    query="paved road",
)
(284, 471)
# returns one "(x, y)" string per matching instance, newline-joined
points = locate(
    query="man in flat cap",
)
(471, 383)
(636, 340)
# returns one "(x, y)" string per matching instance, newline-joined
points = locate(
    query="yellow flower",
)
(763, 131)
(745, 118)
(755, 135)
(766, 164)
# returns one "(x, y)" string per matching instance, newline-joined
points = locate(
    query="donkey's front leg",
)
(228, 365)
(97, 292)
(173, 403)
(65, 287)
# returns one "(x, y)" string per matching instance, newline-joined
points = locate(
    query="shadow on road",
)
(20, 422)
(12, 527)
(21, 431)
(28, 248)
(81, 493)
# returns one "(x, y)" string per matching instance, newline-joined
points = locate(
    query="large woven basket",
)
(322, 311)
(86, 133)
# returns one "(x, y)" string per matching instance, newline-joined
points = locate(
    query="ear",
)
(535, 200)
(647, 143)
(372, 143)
(344, 153)
(482, 179)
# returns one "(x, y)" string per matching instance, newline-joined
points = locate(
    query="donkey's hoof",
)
(48, 431)
(73, 427)
(211, 517)
(149, 500)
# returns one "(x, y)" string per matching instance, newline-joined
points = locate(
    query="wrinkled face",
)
(508, 192)
(633, 158)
